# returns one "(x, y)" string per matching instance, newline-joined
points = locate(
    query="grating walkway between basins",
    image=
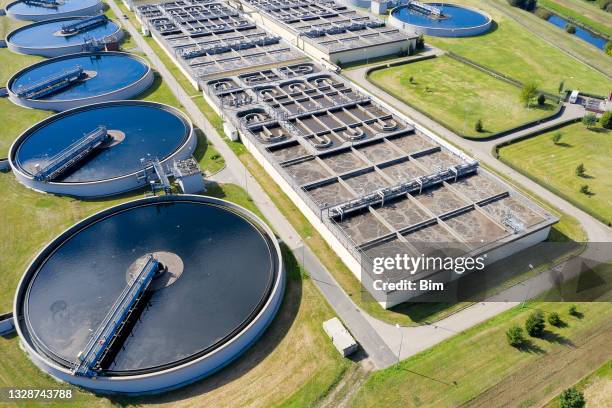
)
(380, 186)
(208, 37)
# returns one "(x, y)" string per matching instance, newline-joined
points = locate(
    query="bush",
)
(580, 170)
(608, 48)
(541, 99)
(557, 137)
(606, 120)
(570, 28)
(420, 42)
(573, 310)
(571, 398)
(479, 127)
(534, 325)
(543, 13)
(561, 86)
(554, 319)
(589, 120)
(514, 336)
(528, 5)
(584, 189)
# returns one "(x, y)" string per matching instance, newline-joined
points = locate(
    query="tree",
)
(561, 86)
(573, 310)
(557, 138)
(584, 189)
(420, 42)
(580, 170)
(589, 120)
(514, 336)
(608, 48)
(534, 325)
(479, 126)
(606, 120)
(528, 5)
(541, 99)
(571, 398)
(570, 28)
(554, 319)
(528, 92)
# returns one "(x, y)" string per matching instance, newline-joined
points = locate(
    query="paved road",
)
(374, 346)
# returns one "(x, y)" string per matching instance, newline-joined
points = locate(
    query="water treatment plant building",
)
(139, 298)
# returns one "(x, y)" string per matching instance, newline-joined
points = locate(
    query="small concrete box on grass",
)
(342, 339)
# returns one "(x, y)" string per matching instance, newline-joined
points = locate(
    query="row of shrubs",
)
(535, 325)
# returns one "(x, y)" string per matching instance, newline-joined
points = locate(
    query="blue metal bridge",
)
(84, 25)
(73, 154)
(51, 84)
(90, 357)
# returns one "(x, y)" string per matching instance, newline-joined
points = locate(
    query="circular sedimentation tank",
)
(201, 309)
(52, 38)
(38, 10)
(452, 21)
(79, 79)
(137, 132)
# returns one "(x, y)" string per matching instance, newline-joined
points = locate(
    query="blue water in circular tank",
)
(111, 72)
(44, 34)
(456, 17)
(64, 7)
(150, 132)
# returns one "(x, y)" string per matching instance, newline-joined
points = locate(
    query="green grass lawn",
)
(479, 366)
(458, 95)
(555, 165)
(520, 54)
(585, 12)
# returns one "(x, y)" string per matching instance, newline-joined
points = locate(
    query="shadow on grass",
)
(553, 337)
(528, 346)
(157, 82)
(563, 144)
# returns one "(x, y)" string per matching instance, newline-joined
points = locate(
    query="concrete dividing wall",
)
(360, 54)
(86, 11)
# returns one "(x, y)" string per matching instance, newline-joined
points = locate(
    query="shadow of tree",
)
(528, 346)
(553, 337)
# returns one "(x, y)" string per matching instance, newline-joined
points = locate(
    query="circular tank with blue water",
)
(39, 10)
(441, 19)
(101, 149)
(80, 79)
(149, 295)
(62, 36)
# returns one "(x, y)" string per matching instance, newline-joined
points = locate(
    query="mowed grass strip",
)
(458, 95)
(555, 165)
(469, 364)
(520, 54)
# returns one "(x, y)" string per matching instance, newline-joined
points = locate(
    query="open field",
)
(555, 165)
(478, 367)
(458, 95)
(597, 388)
(585, 12)
(518, 53)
